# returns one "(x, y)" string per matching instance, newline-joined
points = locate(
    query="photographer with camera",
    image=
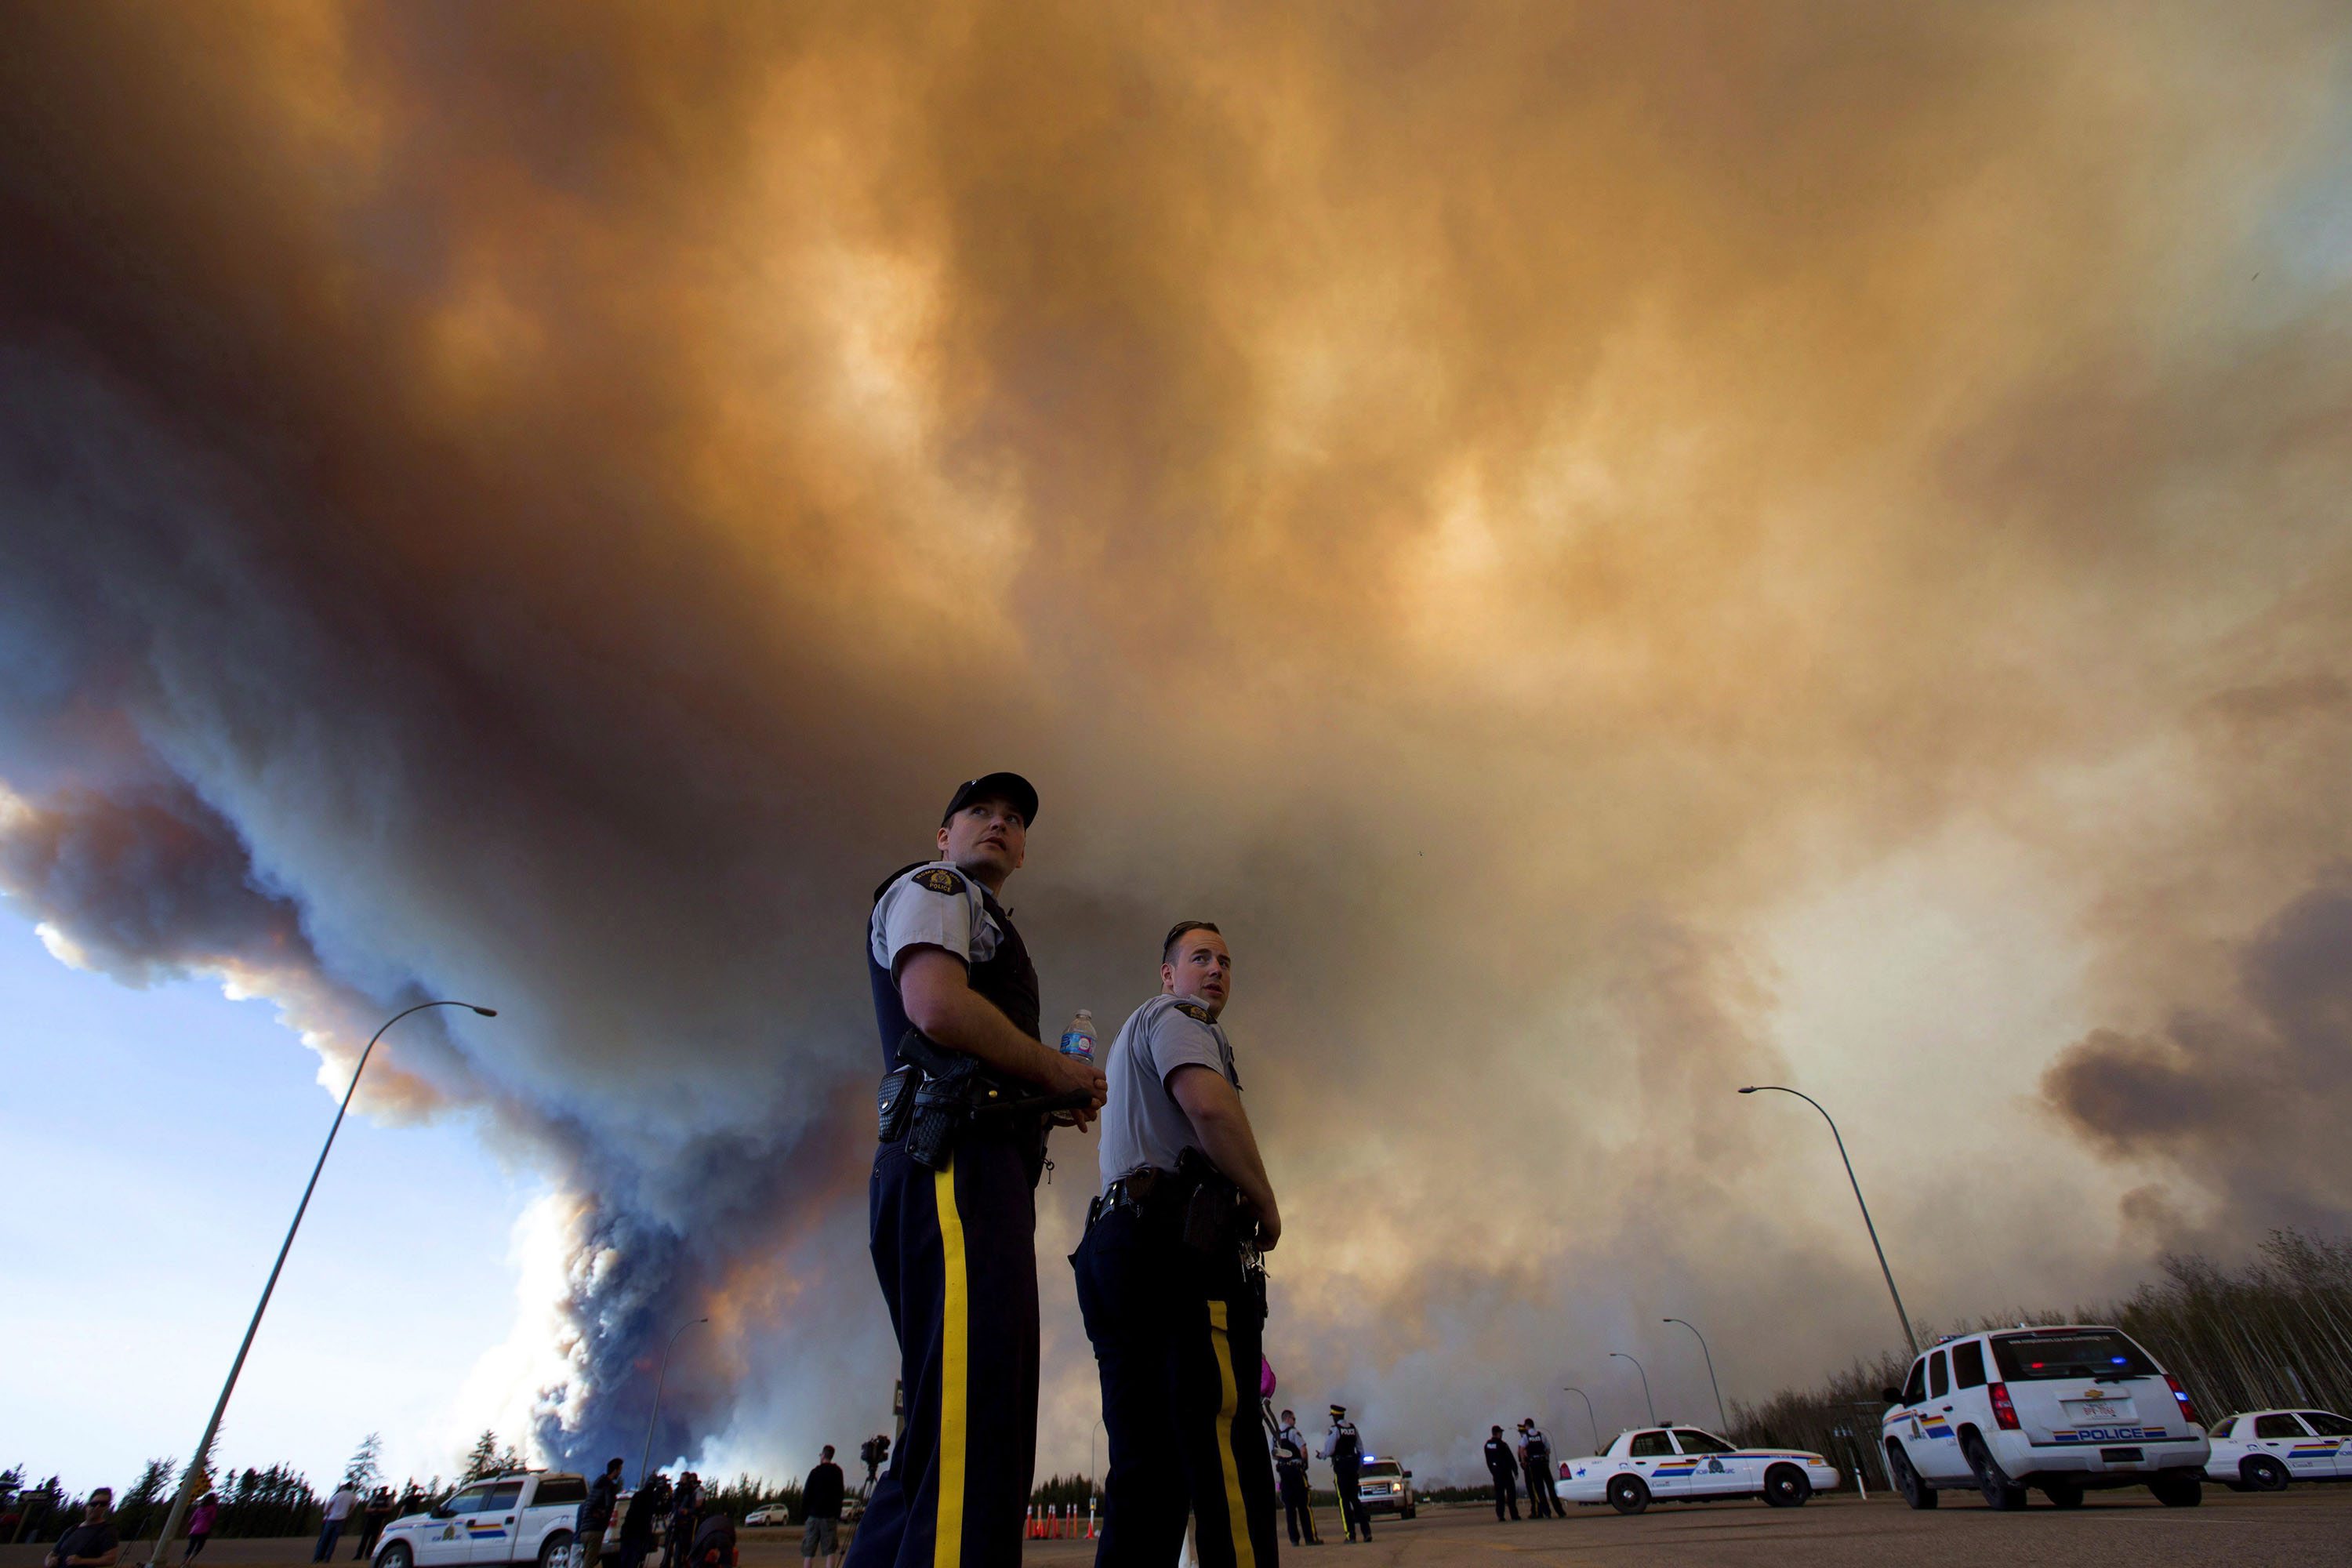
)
(1169, 1281)
(952, 1210)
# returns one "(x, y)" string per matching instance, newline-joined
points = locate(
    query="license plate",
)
(2093, 1409)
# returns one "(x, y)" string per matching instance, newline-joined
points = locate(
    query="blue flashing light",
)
(2120, 1360)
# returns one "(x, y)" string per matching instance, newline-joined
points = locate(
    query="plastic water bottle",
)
(1078, 1040)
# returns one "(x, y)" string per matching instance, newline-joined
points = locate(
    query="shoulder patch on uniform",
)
(938, 879)
(1194, 1010)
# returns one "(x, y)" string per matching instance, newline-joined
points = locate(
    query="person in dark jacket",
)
(821, 1497)
(596, 1513)
(1504, 1466)
(685, 1516)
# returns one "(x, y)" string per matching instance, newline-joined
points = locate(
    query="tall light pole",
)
(1908, 1336)
(1710, 1369)
(646, 1463)
(1590, 1419)
(1645, 1385)
(212, 1428)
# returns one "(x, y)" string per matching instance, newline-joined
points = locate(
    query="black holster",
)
(938, 1097)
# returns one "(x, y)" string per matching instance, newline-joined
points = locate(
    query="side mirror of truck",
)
(1892, 1396)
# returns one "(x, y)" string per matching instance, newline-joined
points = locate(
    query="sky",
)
(1618, 553)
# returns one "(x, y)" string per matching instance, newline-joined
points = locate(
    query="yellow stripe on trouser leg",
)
(1236, 1513)
(955, 1354)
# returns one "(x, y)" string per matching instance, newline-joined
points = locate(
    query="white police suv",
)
(2262, 1450)
(1683, 1464)
(2067, 1409)
(1384, 1486)
(523, 1517)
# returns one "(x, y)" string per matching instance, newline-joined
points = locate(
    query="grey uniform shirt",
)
(1141, 1122)
(932, 906)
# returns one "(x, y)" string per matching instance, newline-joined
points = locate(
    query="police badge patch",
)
(1194, 1010)
(940, 879)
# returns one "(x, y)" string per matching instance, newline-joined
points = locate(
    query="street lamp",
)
(1909, 1337)
(220, 1407)
(645, 1463)
(1710, 1369)
(1590, 1419)
(1645, 1386)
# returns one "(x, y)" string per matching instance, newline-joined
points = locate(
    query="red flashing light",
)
(2188, 1408)
(2004, 1411)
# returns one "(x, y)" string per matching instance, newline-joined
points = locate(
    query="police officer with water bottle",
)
(1168, 1281)
(967, 1092)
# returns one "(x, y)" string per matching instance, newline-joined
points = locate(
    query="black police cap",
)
(1011, 788)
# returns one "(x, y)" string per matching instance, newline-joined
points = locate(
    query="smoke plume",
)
(1618, 554)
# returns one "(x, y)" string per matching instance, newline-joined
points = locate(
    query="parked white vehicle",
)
(1683, 1464)
(522, 1516)
(774, 1513)
(1384, 1486)
(2262, 1450)
(2067, 1409)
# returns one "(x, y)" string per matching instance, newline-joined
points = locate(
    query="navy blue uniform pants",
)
(1351, 1505)
(1542, 1500)
(1298, 1512)
(1506, 1493)
(956, 1251)
(1177, 1341)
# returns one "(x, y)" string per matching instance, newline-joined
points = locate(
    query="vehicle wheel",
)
(2264, 1474)
(1411, 1513)
(2064, 1494)
(1999, 1491)
(1916, 1491)
(1629, 1494)
(395, 1555)
(555, 1551)
(2177, 1491)
(1785, 1485)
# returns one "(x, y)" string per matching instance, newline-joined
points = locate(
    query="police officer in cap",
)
(1166, 1282)
(1535, 1456)
(955, 1245)
(1290, 1478)
(1345, 1449)
(1505, 1470)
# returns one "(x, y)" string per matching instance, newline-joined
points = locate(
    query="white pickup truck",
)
(524, 1516)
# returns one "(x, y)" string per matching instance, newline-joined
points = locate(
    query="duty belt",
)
(940, 1096)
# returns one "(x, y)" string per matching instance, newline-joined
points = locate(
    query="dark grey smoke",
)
(2253, 1104)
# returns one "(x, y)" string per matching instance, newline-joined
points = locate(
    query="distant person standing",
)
(372, 1519)
(596, 1513)
(92, 1543)
(1290, 1479)
(338, 1508)
(1504, 1470)
(201, 1519)
(685, 1514)
(821, 1497)
(1535, 1459)
(1344, 1448)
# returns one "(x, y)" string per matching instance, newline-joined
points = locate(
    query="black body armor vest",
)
(1006, 978)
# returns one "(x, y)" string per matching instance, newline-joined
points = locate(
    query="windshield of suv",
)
(2048, 1355)
(1381, 1468)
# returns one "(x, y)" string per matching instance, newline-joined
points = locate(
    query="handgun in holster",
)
(937, 1094)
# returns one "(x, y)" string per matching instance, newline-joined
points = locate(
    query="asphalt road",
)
(2308, 1526)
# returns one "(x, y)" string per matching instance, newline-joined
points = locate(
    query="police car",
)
(2262, 1450)
(1683, 1464)
(525, 1516)
(1383, 1486)
(2067, 1409)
